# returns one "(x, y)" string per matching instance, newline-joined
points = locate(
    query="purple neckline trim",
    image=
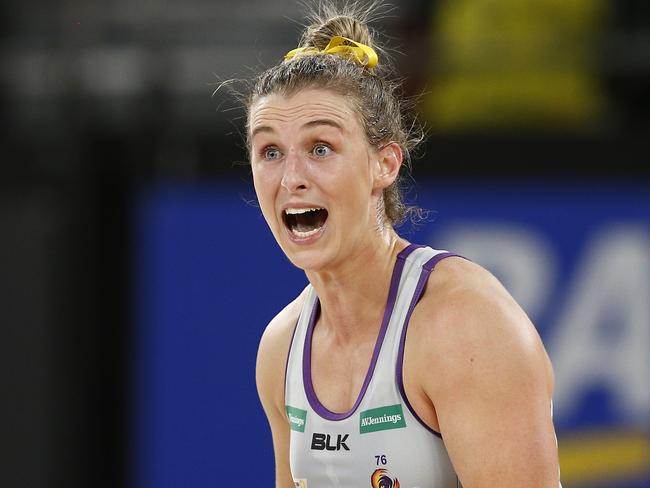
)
(314, 402)
(422, 281)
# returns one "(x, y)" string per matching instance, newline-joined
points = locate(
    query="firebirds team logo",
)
(380, 479)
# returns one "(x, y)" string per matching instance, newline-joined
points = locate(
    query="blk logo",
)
(322, 442)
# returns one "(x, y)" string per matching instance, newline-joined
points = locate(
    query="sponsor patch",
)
(382, 418)
(297, 418)
(300, 483)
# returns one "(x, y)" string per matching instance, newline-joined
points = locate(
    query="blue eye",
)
(271, 153)
(322, 150)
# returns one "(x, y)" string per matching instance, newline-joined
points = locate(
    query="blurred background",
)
(138, 275)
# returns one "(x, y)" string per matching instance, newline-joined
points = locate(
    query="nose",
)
(294, 178)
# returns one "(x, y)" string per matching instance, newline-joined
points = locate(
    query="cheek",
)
(265, 189)
(356, 184)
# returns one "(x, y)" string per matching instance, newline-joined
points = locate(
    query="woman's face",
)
(316, 177)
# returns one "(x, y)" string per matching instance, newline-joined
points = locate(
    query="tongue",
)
(304, 227)
(309, 221)
(305, 222)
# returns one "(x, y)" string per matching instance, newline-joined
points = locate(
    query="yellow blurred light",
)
(595, 457)
(515, 63)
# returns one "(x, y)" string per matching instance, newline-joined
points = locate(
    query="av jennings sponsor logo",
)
(297, 418)
(382, 418)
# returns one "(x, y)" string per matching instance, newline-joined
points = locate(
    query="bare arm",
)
(270, 374)
(492, 387)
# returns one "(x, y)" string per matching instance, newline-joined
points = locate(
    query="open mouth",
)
(304, 222)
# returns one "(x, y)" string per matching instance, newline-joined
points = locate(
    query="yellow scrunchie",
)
(341, 46)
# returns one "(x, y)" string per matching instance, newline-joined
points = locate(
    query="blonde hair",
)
(385, 115)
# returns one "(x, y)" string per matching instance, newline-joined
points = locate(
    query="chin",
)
(307, 252)
(307, 259)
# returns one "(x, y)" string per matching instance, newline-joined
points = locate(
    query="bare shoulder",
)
(272, 354)
(270, 374)
(280, 329)
(468, 320)
(481, 365)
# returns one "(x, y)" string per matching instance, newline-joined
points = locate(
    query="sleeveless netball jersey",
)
(380, 442)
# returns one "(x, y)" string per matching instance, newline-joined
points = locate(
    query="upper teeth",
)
(293, 211)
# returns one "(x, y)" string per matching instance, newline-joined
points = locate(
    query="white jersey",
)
(380, 442)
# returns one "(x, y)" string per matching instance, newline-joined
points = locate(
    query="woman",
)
(398, 365)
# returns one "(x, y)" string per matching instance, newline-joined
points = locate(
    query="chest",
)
(338, 372)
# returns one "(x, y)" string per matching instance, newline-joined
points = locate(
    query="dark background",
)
(102, 100)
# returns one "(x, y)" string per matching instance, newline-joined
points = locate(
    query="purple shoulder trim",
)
(419, 289)
(315, 404)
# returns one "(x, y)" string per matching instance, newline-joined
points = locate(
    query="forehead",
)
(302, 107)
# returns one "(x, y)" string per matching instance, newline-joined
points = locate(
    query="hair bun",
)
(318, 35)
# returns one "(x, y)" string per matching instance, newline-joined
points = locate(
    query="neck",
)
(353, 296)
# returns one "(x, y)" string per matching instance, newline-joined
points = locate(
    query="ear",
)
(389, 162)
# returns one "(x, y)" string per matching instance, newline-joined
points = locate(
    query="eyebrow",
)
(330, 122)
(308, 125)
(261, 128)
